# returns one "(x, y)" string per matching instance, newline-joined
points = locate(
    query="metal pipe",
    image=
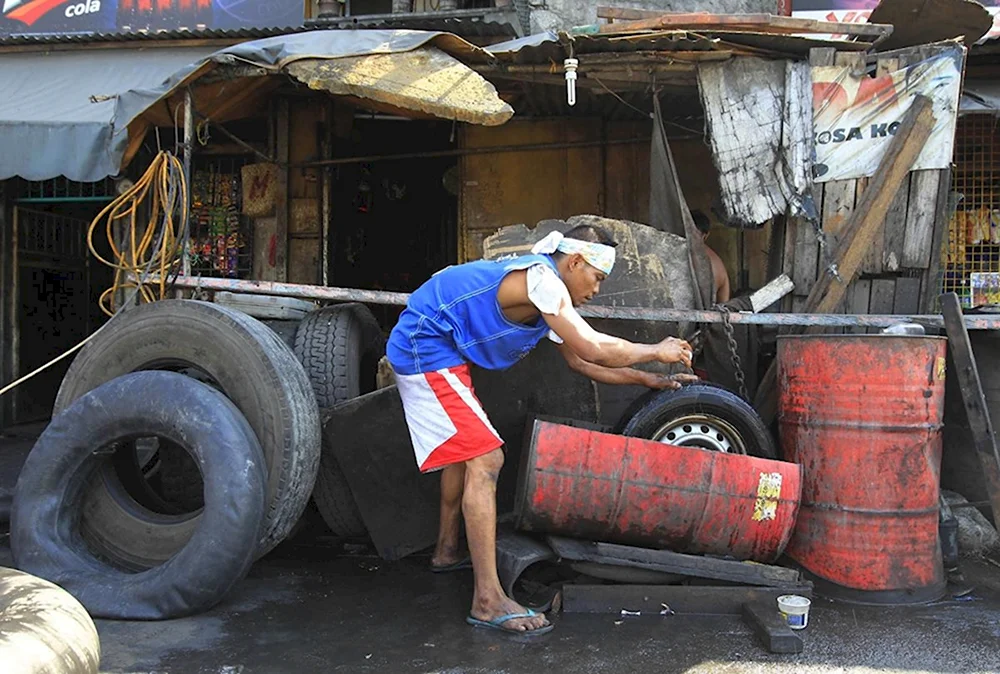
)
(470, 151)
(188, 152)
(321, 293)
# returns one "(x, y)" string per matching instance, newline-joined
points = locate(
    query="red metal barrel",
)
(863, 415)
(585, 484)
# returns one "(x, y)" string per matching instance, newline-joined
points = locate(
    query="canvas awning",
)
(59, 109)
(49, 126)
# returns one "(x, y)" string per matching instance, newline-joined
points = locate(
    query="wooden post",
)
(859, 231)
(8, 304)
(980, 425)
(188, 157)
(281, 200)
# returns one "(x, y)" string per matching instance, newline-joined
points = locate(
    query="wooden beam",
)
(281, 202)
(637, 20)
(865, 221)
(859, 232)
(931, 285)
(771, 628)
(245, 93)
(977, 413)
(136, 135)
(654, 600)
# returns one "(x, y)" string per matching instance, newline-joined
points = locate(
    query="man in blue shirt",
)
(492, 314)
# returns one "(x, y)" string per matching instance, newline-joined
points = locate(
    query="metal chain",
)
(734, 353)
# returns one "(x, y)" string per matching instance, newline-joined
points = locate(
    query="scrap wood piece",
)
(672, 599)
(750, 573)
(859, 231)
(771, 628)
(921, 22)
(637, 19)
(973, 398)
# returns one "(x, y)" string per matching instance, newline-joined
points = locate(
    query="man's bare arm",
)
(623, 375)
(611, 352)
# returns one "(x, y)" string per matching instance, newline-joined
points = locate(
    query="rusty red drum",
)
(863, 416)
(596, 486)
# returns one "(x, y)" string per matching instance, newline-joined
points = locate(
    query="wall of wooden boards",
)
(900, 273)
(526, 187)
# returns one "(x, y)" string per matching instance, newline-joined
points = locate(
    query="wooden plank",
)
(860, 230)
(636, 20)
(977, 413)
(265, 238)
(883, 296)
(839, 195)
(858, 297)
(673, 562)
(679, 599)
(921, 213)
(771, 293)
(771, 628)
(866, 221)
(895, 218)
(280, 247)
(907, 296)
(873, 261)
(930, 287)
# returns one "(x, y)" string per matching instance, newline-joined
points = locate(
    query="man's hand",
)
(664, 381)
(673, 350)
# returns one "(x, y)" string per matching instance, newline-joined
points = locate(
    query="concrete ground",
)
(315, 608)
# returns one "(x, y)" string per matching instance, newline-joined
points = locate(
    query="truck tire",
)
(43, 629)
(699, 415)
(45, 524)
(339, 347)
(239, 356)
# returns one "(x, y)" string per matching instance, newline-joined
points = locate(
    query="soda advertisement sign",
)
(858, 11)
(855, 116)
(23, 17)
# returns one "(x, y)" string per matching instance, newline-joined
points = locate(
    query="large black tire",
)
(43, 629)
(45, 531)
(339, 347)
(242, 358)
(715, 419)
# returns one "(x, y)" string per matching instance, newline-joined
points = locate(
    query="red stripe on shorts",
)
(472, 438)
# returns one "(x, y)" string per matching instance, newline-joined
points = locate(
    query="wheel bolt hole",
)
(706, 430)
(687, 429)
(671, 436)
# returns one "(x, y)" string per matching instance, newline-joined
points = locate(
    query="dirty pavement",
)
(320, 607)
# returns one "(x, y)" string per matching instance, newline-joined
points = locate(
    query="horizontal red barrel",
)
(596, 486)
(863, 415)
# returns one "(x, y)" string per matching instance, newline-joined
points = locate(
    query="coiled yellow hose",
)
(139, 250)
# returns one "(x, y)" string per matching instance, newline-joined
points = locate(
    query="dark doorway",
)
(394, 222)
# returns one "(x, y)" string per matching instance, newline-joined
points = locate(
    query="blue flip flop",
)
(454, 566)
(497, 624)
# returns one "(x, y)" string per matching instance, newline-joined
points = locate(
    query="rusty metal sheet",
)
(424, 79)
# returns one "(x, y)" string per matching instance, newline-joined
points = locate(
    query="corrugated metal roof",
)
(478, 23)
(148, 36)
(468, 23)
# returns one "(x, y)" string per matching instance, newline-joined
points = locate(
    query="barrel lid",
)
(855, 337)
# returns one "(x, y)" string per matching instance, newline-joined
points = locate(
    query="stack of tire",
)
(185, 444)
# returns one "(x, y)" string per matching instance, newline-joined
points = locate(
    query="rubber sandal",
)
(454, 566)
(497, 624)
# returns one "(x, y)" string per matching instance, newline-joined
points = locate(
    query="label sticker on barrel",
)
(768, 493)
(940, 366)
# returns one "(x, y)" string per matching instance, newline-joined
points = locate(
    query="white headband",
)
(597, 255)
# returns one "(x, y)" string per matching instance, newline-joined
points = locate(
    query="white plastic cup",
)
(795, 609)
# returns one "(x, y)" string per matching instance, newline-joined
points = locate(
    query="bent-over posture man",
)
(492, 314)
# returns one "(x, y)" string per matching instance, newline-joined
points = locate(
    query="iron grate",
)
(973, 245)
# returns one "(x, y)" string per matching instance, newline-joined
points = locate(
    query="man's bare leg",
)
(479, 508)
(452, 486)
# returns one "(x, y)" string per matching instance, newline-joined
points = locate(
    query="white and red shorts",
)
(446, 421)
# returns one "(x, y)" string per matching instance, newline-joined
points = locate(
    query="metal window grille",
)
(50, 235)
(221, 236)
(62, 189)
(973, 245)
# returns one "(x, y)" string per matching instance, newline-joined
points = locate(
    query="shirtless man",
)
(719, 272)
(492, 314)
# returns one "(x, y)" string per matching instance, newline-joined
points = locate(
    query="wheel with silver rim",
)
(702, 416)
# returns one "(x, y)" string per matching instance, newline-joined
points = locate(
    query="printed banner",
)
(855, 116)
(33, 17)
(858, 11)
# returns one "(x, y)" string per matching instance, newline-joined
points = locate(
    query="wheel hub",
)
(704, 431)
